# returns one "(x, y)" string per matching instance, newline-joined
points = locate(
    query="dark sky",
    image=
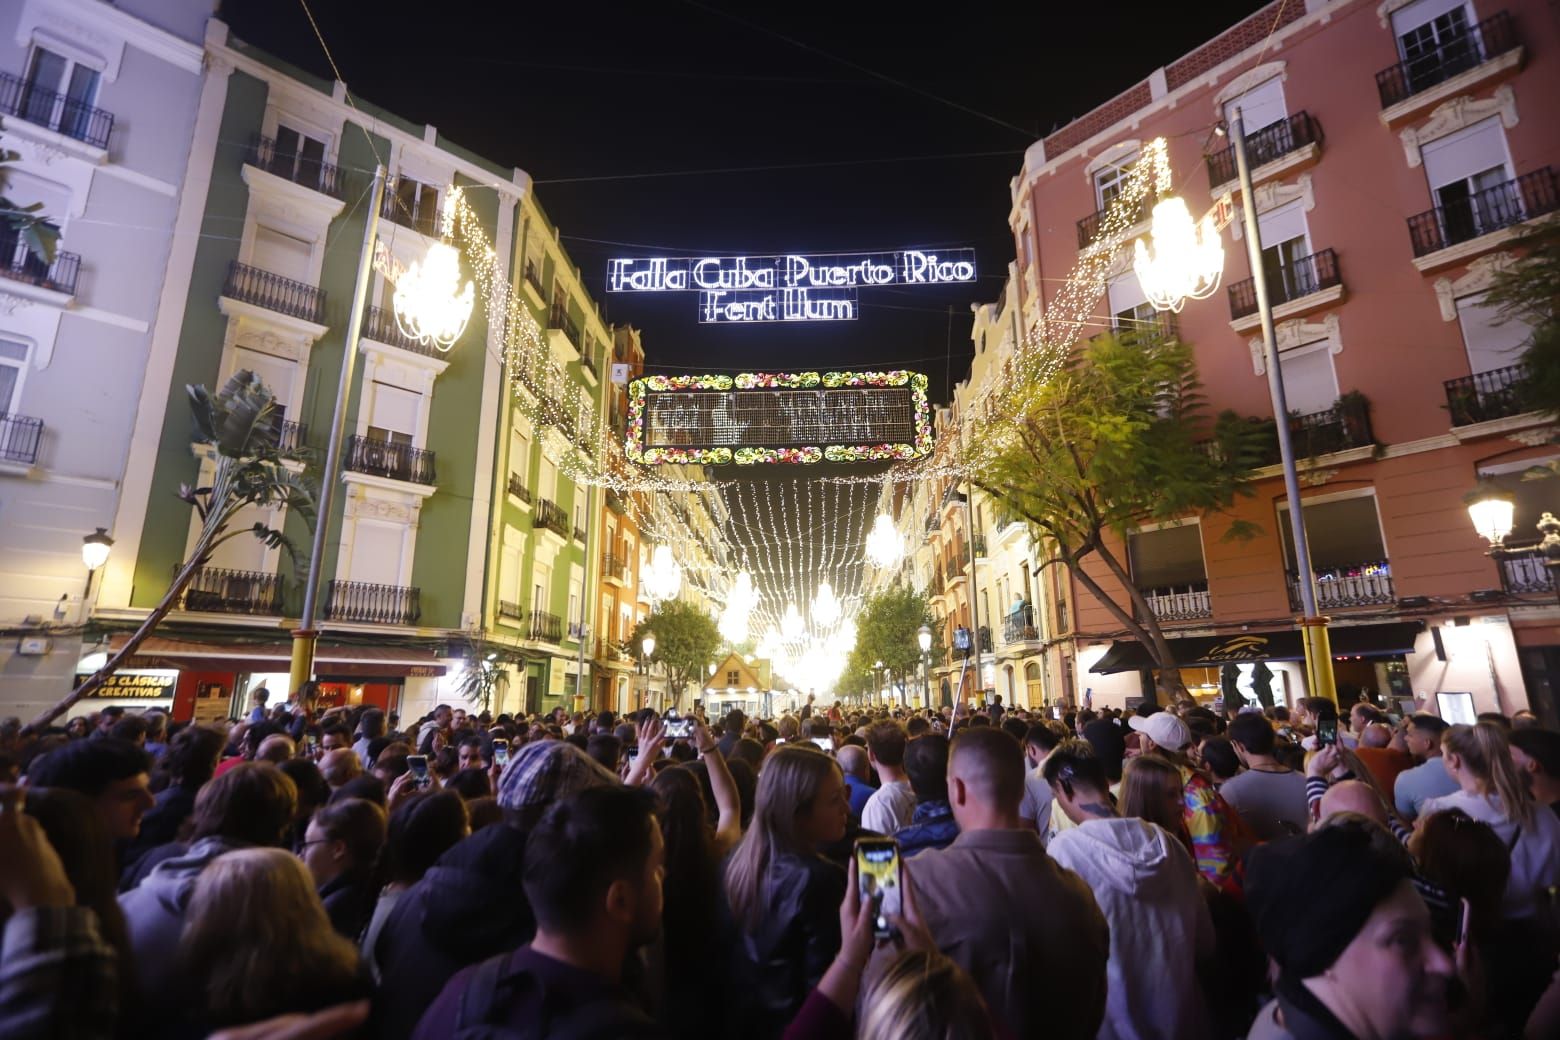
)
(571, 91)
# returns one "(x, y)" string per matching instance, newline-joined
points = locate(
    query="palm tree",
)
(239, 425)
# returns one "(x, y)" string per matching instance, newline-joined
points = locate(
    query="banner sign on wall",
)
(134, 685)
(792, 287)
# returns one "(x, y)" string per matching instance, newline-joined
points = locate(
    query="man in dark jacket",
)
(932, 825)
(592, 873)
(472, 904)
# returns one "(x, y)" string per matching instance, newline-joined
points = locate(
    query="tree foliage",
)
(239, 426)
(1529, 291)
(1118, 437)
(686, 640)
(886, 631)
(30, 222)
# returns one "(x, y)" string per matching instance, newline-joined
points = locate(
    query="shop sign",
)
(134, 685)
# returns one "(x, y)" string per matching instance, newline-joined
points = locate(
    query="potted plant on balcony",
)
(251, 469)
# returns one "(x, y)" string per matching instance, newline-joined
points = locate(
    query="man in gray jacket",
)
(1028, 932)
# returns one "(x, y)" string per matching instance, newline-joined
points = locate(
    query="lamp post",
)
(646, 650)
(877, 694)
(1185, 264)
(923, 636)
(1494, 512)
(94, 553)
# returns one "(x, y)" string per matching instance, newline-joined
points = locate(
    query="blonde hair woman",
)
(1479, 759)
(923, 995)
(783, 895)
(1152, 790)
(257, 942)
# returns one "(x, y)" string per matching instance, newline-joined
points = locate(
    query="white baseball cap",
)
(1163, 729)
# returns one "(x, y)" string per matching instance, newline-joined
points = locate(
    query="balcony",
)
(615, 503)
(1180, 602)
(614, 568)
(1091, 226)
(420, 217)
(590, 366)
(19, 264)
(513, 611)
(1269, 144)
(953, 570)
(1159, 327)
(54, 111)
(579, 535)
(379, 325)
(1307, 276)
(273, 292)
(978, 543)
(533, 277)
(551, 517)
(19, 437)
(373, 604)
(1019, 627)
(290, 166)
(558, 318)
(1357, 585)
(217, 590)
(544, 626)
(1497, 394)
(292, 437)
(387, 459)
(1452, 57)
(1482, 213)
(1344, 426)
(1524, 572)
(518, 489)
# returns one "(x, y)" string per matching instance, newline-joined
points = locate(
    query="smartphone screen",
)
(633, 755)
(1326, 732)
(418, 764)
(824, 744)
(877, 874)
(501, 751)
(677, 729)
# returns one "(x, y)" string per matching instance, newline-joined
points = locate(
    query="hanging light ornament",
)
(430, 306)
(663, 579)
(825, 606)
(884, 548)
(1187, 258)
(792, 625)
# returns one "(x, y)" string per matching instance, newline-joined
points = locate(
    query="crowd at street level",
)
(1168, 873)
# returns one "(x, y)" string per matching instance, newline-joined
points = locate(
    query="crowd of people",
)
(1164, 873)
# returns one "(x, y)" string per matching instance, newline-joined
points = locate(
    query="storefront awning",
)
(329, 658)
(1212, 651)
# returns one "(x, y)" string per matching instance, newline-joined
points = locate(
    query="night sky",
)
(588, 98)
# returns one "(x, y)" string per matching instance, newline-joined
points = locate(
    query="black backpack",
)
(494, 987)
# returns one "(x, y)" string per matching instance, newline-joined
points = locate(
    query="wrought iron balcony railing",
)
(1089, 227)
(19, 438)
(374, 604)
(292, 436)
(558, 318)
(508, 609)
(387, 459)
(1020, 626)
(1525, 572)
(1344, 426)
(1307, 275)
(533, 275)
(54, 111)
(551, 516)
(301, 170)
(579, 535)
(614, 566)
(1452, 55)
(1498, 206)
(275, 293)
(1265, 144)
(218, 590)
(518, 489)
(1356, 585)
(424, 219)
(19, 264)
(379, 324)
(545, 626)
(1497, 394)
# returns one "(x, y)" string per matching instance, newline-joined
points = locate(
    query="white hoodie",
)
(1146, 885)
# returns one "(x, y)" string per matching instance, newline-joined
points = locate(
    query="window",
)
(414, 205)
(1261, 106)
(541, 587)
(297, 156)
(1491, 341)
(733, 677)
(1310, 382)
(547, 484)
(1130, 310)
(13, 365)
(579, 512)
(1342, 534)
(53, 200)
(509, 574)
(1433, 39)
(394, 415)
(282, 254)
(60, 93)
(1467, 172)
(1167, 556)
(376, 552)
(1110, 182)
(1286, 241)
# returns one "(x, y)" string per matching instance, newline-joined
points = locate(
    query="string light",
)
(825, 607)
(429, 306)
(662, 580)
(884, 545)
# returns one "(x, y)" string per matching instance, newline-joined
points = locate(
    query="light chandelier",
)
(884, 547)
(430, 306)
(1187, 258)
(825, 606)
(662, 580)
(792, 625)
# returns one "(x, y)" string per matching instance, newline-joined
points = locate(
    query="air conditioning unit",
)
(34, 646)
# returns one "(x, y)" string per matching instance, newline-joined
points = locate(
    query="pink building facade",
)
(1397, 148)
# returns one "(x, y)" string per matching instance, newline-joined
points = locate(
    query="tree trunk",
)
(1169, 681)
(132, 644)
(1152, 639)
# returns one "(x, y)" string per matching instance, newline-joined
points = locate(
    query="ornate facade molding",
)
(364, 502)
(1270, 195)
(1288, 335)
(1386, 7)
(1461, 111)
(1112, 156)
(1481, 274)
(1534, 437)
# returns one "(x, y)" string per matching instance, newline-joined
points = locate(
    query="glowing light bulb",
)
(1186, 261)
(884, 547)
(430, 306)
(825, 607)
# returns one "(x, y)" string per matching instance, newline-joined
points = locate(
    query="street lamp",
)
(1493, 512)
(1185, 263)
(923, 636)
(877, 667)
(94, 549)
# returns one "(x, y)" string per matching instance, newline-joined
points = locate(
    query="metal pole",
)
(969, 528)
(1313, 626)
(306, 635)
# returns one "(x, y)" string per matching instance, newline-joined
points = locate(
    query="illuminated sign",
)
(135, 685)
(792, 287)
(778, 417)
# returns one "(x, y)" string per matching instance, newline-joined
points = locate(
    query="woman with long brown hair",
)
(257, 942)
(783, 896)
